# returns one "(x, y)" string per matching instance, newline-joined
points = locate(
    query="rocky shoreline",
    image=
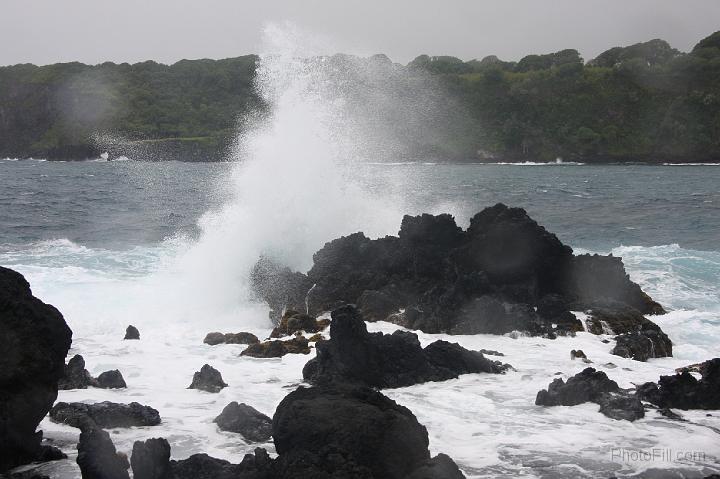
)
(504, 275)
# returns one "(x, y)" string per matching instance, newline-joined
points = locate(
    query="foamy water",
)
(303, 182)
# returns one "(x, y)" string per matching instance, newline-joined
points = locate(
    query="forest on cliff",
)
(643, 102)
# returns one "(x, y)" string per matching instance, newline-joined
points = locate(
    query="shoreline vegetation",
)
(644, 103)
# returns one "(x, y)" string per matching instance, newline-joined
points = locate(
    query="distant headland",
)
(646, 102)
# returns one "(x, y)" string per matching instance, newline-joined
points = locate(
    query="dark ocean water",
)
(117, 205)
(167, 247)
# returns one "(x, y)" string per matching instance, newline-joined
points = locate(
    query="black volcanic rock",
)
(643, 345)
(34, 340)
(132, 333)
(638, 337)
(592, 386)
(621, 406)
(282, 288)
(208, 379)
(97, 456)
(150, 459)
(246, 420)
(105, 414)
(230, 338)
(374, 431)
(277, 348)
(585, 386)
(111, 380)
(388, 360)
(684, 391)
(504, 273)
(75, 375)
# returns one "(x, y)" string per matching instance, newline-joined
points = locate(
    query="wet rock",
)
(585, 386)
(246, 420)
(105, 414)
(111, 380)
(684, 391)
(504, 273)
(643, 345)
(491, 352)
(621, 405)
(34, 340)
(388, 360)
(216, 338)
(293, 322)
(577, 354)
(132, 333)
(208, 379)
(594, 280)
(316, 337)
(150, 459)
(280, 287)
(377, 306)
(202, 466)
(277, 348)
(97, 456)
(75, 375)
(439, 467)
(379, 434)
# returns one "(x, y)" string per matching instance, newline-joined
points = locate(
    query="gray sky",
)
(93, 31)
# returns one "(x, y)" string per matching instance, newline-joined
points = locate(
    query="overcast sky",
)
(93, 31)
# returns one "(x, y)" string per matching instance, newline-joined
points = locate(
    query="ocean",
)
(166, 247)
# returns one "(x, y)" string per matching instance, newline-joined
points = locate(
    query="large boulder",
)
(97, 456)
(246, 420)
(684, 391)
(150, 459)
(388, 360)
(34, 340)
(504, 273)
(105, 414)
(372, 432)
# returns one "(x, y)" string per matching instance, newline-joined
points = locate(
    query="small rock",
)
(75, 376)
(111, 380)
(132, 333)
(577, 354)
(208, 379)
(294, 322)
(246, 420)
(316, 337)
(230, 338)
(585, 386)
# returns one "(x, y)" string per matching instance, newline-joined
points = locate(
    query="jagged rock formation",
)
(105, 414)
(34, 340)
(684, 391)
(77, 377)
(504, 273)
(592, 386)
(388, 360)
